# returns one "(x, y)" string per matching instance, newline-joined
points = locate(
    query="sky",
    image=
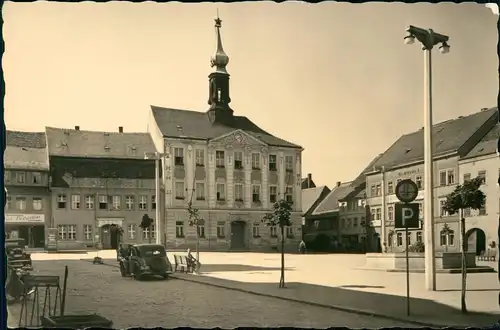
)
(335, 78)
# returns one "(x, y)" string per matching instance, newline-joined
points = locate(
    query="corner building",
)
(232, 171)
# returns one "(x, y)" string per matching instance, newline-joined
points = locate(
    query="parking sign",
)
(406, 215)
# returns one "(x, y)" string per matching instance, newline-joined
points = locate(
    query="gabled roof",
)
(176, 123)
(331, 201)
(487, 145)
(448, 137)
(358, 192)
(361, 178)
(307, 183)
(311, 196)
(91, 144)
(22, 158)
(25, 139)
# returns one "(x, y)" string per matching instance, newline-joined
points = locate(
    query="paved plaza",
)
(329, 280)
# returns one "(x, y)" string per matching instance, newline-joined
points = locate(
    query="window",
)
(467, 177)
(117, 202)
(419, 237)
(129, 202)
(377, 190)
(219, 158)
(131, 231)
(442, 212)
(447, 238)
(273, 231)
(289, 232)
(221, 196)
(238, 160)
(179, 229)
(482, 210)
(372, 191)
(179, 190)
(238, 192)
(289, 194)
(399, 239)
(201, 231)
(61, 232)
(87, 232)
(373, 212)
(143, 202)
(6, 176)
(256, 193)
(467, 212)
(355, 222)
(147, 233)
(178, 156)
(75, 202)
(61, 201)
(256, 229)
(20, 203)
(273, 164)
(36, 177)
(200, 157)
(379, 214)
(153, 202)
(482, 175)
(89, 202)
(71, 232)
(390, 213)
(255, 161)
(273, 194)
(390, 188)
(200, 191)
(20, 177)
(408, 239)
(289, 163)
(450, 177)
(418, 181)
(221, 229)
(103, 202)
(451, 238)
(37, 203)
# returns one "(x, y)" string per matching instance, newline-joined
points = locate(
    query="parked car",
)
(17, 257)
(145, 259)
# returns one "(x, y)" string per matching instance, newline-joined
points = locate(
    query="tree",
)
(147, 223)
(466, 195)
(195, 220)
(282, 211)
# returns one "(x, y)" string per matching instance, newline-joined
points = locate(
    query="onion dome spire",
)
(219, 58)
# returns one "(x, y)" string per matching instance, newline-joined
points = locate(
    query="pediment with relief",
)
(239, 139)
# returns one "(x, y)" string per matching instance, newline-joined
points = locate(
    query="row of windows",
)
(106, 202)
(238, 192)
(68, 232)
(445, 238)
(22, 177)
(348, 223)
(221, 230)
(220, 159)
(20, 203)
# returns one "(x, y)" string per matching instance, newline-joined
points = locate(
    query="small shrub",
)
(418, 247)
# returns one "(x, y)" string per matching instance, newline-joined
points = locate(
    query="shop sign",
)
(25, 218)
(52, 235)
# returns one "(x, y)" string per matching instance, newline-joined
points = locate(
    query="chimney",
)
(309, 179)
(339, 183)
(120, 129)
(77, 128)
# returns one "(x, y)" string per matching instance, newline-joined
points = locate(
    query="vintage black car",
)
(141, 260)
(17, 257)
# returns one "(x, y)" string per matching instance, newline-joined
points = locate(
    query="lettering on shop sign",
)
(25, 218)
(408, 173)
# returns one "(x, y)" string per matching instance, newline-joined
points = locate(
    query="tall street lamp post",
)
(157, 157)
(428, 39)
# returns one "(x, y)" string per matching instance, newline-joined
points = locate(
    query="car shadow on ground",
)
(425, 311)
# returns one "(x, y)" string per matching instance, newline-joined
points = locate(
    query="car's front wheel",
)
(137, 274)
(123, 271)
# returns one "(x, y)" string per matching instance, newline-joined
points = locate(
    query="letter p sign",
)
(406, 215)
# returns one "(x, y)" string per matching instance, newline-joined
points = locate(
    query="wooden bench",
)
(182, 264)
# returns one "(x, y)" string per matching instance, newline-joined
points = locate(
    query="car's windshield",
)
(152, 251)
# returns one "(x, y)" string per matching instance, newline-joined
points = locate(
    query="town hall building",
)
(228, 167)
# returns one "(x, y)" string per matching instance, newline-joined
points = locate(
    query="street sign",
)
(406, 191)
(406, 216)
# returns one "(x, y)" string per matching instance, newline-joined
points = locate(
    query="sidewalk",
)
(423, 312)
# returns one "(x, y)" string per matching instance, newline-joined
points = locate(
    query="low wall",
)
(444, 260)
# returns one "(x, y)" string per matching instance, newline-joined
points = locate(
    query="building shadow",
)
(212, 268)
(424, 311)
(354, 286)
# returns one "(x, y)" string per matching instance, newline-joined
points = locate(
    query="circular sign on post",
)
(406, 191)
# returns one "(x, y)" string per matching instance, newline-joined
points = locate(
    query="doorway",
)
(110, 236)
(476, 240)
(238, 234)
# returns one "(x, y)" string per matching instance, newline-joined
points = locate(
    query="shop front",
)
(30, 227)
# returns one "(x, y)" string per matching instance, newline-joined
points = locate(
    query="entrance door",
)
(237, 234)
(38, 236)
(106, 237)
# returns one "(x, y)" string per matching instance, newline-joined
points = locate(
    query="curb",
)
(334, 307)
